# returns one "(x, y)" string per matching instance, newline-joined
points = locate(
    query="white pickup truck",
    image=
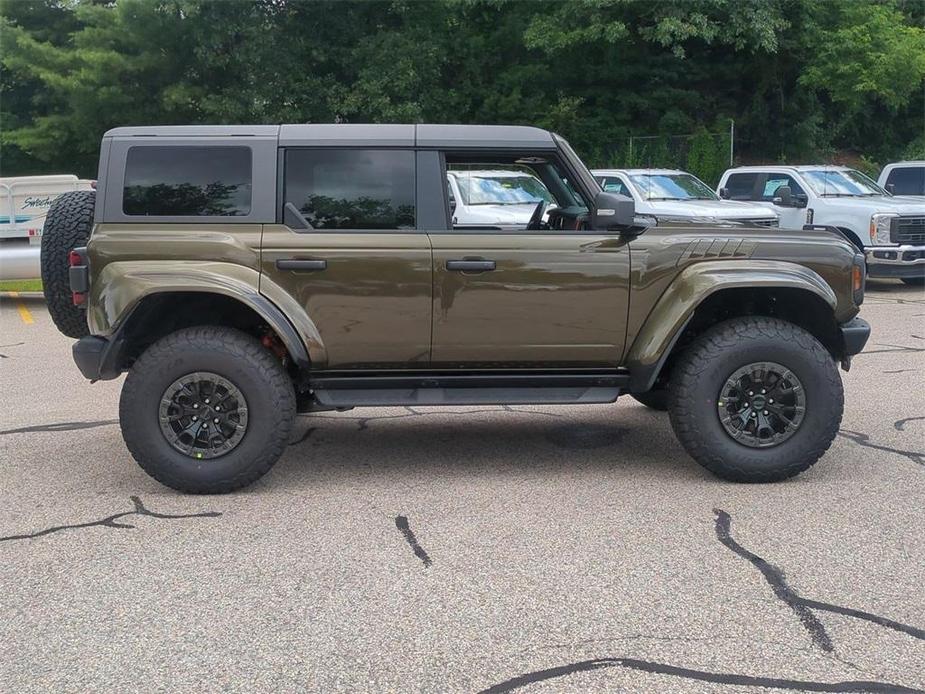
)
(24, 202)
(494, 197)
(890, 230)
(669, 193)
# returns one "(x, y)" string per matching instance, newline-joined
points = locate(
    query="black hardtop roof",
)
(350, 134)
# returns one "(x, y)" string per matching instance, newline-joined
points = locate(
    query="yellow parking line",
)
(23, 311)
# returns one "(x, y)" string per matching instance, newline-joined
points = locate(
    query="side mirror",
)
(724, 193)
(891, 188)
(612, 210)
(784, 197)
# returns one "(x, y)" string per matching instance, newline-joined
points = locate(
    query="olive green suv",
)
(242, 275)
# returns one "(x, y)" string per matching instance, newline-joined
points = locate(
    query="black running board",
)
(347, 390)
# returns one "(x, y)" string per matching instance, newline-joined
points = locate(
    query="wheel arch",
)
(158, 314)
(709, 292)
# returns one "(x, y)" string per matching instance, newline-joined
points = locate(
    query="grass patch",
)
(21, 286)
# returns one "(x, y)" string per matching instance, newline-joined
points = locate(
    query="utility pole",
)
(732, 139)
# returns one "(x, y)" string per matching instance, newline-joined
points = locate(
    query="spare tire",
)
(67, 226)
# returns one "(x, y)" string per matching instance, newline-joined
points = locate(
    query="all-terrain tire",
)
(914, 281)
(653, 399)
(702, 370)
(67, 226)
(232, 355)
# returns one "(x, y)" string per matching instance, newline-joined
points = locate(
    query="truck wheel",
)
(207, 410)
(915, 281)
(756, 400)
(653, 399)
(67, 226)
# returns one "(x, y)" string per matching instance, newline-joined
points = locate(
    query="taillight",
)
(78, 275)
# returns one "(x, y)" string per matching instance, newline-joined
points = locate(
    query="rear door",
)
(552, 296)
(348, 250)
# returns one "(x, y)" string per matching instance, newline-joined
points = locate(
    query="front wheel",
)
(756, 400)
(207, 410)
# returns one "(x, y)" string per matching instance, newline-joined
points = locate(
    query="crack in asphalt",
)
(60, 426)
(899, 371)
(14, 344)
(900, 424)
(401, 522)
(775, 578)
(726, 678)
(894, 348)
(917, 457)
(363, 422)
(304, 437)
(111, 521)
(800, 605)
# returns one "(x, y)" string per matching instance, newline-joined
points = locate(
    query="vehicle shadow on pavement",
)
(453, 441)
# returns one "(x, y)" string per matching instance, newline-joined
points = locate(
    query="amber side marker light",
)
(858, 276)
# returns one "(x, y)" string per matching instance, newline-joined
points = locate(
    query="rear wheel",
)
(653, 399)
(207, 410)
(915, 281)
(67, 226)
(756, 400)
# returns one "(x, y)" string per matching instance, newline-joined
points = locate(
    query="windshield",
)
(500, 188)
(672, 187)
(837, 183)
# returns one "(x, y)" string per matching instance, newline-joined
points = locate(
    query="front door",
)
(349, 253)
(530, 291)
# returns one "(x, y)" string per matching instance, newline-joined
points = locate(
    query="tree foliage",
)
(801, 78)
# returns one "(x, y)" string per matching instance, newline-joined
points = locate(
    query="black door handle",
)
(301, 265)
(470, 265)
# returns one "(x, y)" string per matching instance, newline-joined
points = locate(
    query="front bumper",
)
(98, 358)
(854, 335)
(895, 261)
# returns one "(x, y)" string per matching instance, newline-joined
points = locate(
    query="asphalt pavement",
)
(529, 549)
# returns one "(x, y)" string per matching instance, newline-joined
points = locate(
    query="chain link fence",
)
(705, 154)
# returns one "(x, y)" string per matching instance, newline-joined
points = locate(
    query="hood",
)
(879, 203)
(720, 209)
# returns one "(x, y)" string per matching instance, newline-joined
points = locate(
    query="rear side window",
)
(741, 185)
(352, 188)
(187, 182)
(907, 180)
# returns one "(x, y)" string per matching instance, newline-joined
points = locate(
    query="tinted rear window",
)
(187, 182)
(907, 180)
(352, 188)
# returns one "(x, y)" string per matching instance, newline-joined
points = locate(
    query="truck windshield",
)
(841, 183)
(672, 187)
(500, 188)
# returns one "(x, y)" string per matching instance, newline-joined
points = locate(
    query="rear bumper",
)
(97, 357)
(854, 335)
(895, 261)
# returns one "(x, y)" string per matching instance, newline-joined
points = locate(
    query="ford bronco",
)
(244, 274)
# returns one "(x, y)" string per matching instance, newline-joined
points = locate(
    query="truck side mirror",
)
(612, 210)
(784, 197)
(891, 188)
(724, 193)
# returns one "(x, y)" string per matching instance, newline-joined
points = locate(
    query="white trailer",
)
(24, 202)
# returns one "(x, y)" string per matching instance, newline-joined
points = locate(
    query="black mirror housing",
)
(612, 210)
(784, 197)
(724, 193)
